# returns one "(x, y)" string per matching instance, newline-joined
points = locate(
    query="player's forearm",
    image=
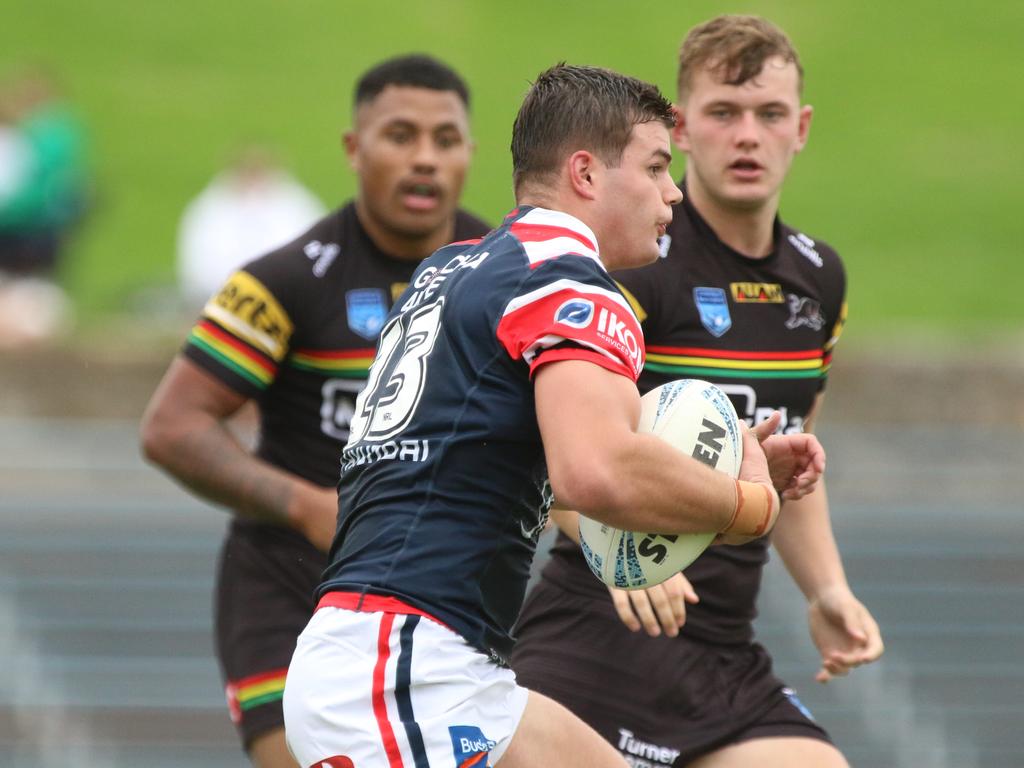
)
(202, 455)
(804, 540)
(647, 486)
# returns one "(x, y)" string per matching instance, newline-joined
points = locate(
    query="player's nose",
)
(671, 193)
(747, 130)
(425, 153)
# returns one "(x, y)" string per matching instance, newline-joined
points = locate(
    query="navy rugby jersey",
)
(296, 330)
(444, 487)
(761, 329)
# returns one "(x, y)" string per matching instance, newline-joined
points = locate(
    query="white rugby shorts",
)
(393, 690)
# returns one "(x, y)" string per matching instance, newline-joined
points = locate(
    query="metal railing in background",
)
(106, 572)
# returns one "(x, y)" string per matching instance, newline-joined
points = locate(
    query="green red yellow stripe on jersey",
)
(342, 363)
(233, 353)
(249, 692)
(698, 362)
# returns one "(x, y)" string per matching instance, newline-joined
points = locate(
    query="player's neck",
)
(749, 231)
(402, 246)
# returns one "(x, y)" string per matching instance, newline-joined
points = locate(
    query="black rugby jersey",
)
(444, 488)
(763, 331)
(296, 330)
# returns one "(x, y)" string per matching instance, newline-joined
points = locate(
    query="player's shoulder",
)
(304, 260)
(469, 226)
(811, 249)
(546, 235)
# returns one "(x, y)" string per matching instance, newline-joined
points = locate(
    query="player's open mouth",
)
(420, 196)
(746, 168)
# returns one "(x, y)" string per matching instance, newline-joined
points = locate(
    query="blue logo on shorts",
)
(575, 312)
(714, 310)
(469, 745)
(367, 309)
(790, 694)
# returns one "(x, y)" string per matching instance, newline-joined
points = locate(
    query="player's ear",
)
(581, 165)
(680, 132)
(804, 129)
(350, 141)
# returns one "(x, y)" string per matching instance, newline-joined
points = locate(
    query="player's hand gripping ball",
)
(697, 418)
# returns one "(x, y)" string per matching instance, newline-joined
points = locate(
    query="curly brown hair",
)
(734, 48)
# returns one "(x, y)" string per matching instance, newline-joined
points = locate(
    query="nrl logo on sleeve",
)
(576, 313)
(714, 310)
(469, 745)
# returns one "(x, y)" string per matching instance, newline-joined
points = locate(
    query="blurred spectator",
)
(250, 208)
(43, 194)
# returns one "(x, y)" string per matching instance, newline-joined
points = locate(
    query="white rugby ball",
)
(697, 418)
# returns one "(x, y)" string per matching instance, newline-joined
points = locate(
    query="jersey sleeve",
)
(569, 309)
(834, 295)
(242, 336)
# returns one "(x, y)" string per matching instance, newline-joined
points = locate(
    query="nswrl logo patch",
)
(714, 310)
(470, 746)
(367, 308)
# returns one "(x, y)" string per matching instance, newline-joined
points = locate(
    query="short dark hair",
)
(416, 70)
(580, 107)
(734, 48)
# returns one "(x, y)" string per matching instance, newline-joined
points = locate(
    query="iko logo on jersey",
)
(804, 312)
(470, 745)
(714, 310)
(616, 329)
(576, 313)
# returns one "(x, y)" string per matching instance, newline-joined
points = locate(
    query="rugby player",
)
(745, 301)
(505, 373)
(294, 332)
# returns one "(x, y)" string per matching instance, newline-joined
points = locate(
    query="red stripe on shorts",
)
(364, 603)
(380, 707)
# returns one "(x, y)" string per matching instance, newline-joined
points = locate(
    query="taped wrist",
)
(754, 506)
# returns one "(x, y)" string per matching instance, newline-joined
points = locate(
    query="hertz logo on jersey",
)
(756, 293)
(247, 309)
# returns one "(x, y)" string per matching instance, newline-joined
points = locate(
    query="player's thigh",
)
(270, 750)
(774, 752)
(265, 581)
(549, 734)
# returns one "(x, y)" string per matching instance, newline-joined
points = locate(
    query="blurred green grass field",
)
(913, 171)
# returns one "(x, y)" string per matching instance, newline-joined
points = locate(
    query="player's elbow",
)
(158, 433)
(588, 488)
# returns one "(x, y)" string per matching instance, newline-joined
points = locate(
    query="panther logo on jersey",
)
(804, 311)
